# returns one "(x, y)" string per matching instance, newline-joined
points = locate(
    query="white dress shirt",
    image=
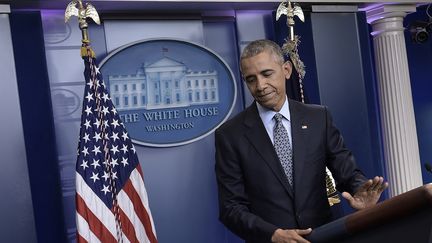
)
(269, 123)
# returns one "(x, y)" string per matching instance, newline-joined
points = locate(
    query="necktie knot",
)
(278, 117)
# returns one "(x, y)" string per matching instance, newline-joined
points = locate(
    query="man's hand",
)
(290, 236)
(368, 194)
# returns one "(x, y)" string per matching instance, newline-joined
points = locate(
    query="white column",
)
(397, 112)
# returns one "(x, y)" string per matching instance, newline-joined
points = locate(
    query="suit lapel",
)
(299, 131)
(258, 137)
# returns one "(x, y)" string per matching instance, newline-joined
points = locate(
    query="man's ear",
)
(287, 67)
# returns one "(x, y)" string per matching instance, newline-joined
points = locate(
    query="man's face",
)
(265, 79)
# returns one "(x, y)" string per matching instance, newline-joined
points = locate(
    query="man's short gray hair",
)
(258, 46)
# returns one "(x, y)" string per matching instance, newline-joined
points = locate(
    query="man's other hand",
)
(368, 194)
(290, 235)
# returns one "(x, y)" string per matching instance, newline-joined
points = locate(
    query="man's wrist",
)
(275, 235)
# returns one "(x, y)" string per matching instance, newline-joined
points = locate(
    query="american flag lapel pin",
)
(304, 127)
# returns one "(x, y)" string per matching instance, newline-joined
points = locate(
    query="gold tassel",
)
(84, 51)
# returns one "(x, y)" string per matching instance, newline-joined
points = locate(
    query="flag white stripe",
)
(127, 206)
(124, 238)
(96, 205)
(84, 230)
(138, 184)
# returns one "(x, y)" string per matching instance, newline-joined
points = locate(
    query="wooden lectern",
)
(403, 218)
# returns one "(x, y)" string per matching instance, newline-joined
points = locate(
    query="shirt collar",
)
(267, 114)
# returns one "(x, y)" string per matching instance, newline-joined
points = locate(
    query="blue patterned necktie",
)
(283, 147)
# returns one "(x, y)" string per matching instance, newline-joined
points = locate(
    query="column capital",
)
(382, 11)
(4, 8)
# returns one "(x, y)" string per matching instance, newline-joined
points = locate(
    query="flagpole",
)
(84, 11)
(290, 48)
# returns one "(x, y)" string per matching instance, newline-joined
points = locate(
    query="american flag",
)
(111, 200)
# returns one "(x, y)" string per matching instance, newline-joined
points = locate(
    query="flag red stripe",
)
(96, 226)
(138, 168)
(80, 239)
(140, 210)
(127, 227)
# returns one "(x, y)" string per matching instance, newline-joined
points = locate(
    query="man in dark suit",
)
(271, 158)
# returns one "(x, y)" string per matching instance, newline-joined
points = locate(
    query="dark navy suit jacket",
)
(255, 197)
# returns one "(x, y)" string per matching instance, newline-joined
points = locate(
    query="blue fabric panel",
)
(307, 55)
(35, 99)
(343, 86)
(371, 92)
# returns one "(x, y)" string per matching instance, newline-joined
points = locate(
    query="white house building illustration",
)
(166, 83)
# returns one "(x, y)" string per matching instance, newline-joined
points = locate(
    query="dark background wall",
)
(420, 70)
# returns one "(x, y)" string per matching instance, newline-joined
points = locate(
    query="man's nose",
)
(261, 83)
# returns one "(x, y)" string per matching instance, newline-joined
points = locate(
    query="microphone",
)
(428, 167)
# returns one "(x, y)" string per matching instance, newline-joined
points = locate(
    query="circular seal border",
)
(121, 48)
(60, 40)
(76, 96)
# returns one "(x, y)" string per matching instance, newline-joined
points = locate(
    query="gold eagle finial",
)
(89, 11)
(290, 10)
